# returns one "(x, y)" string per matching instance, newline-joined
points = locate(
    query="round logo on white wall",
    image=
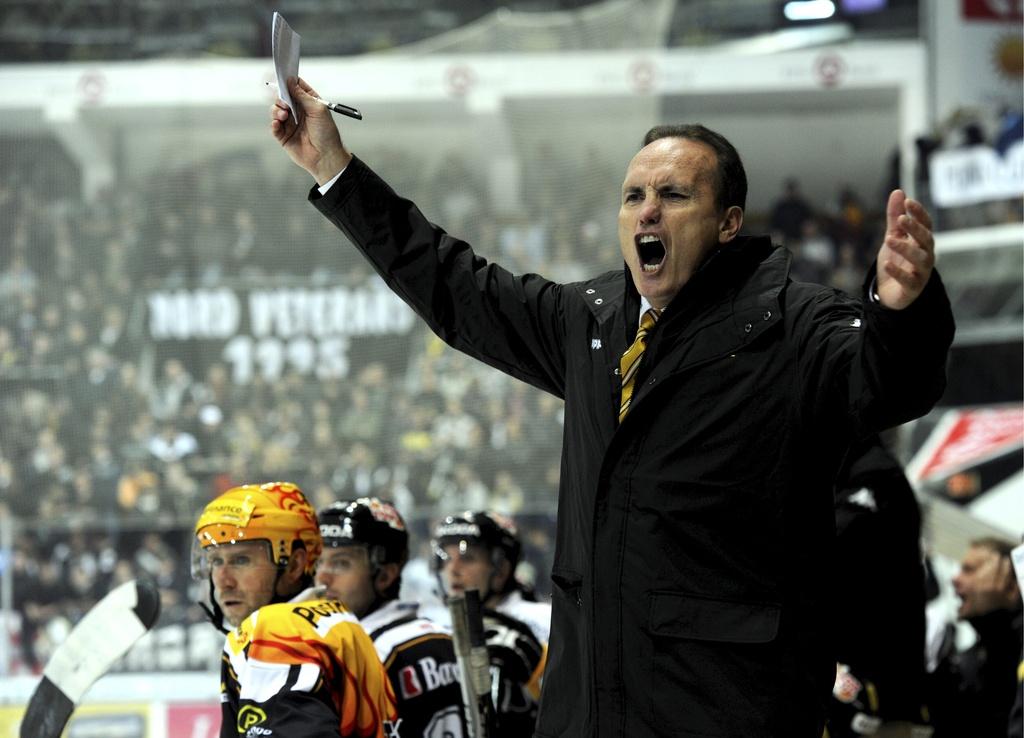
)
(91, 86)
(459, 79)
(829, 69)
(642, 75)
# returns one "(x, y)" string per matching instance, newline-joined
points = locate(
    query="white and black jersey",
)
(419, 657)
(517, 664)
(537, 615)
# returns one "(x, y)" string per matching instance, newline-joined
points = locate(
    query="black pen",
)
(336, 107)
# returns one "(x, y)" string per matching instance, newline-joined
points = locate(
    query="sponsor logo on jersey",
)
(438, 675)
(249, 719)
(410, 682)
(427, 675)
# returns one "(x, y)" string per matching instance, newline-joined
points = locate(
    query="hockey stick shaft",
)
(479, 659)
(475, 681)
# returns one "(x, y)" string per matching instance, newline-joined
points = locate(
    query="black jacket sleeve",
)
(874, 366)
(513, 323)
(901, 371)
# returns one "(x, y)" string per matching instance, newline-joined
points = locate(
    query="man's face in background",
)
(984, 583)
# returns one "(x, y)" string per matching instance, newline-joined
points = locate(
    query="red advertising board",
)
(967, 438)
(993, 10)
(198, 720)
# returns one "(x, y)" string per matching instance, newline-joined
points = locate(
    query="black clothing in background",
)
(880, 579)
(972, 693)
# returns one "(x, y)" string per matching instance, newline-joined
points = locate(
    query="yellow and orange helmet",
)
(276, 512)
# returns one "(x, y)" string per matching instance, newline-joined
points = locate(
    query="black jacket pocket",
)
(683, 615)
(569, 582)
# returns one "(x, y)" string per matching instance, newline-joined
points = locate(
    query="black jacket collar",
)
(725, 270)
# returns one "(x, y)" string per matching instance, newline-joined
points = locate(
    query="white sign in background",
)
(977, 174)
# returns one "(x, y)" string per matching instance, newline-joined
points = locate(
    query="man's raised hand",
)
(314, 142)
(907, 256)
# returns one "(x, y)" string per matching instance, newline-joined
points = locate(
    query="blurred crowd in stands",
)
(109, 445)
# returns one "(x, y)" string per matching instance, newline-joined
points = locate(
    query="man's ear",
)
(296, 565)
(730, 225)
(502, 572)
(386, 576)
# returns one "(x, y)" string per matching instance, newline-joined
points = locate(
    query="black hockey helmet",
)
(367, 521)
(495, 532)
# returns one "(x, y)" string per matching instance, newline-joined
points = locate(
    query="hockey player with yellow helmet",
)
(293, 664)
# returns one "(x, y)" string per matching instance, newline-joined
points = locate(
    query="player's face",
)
(669, 220)
(244, 578)
(467, 567)
(345, 572)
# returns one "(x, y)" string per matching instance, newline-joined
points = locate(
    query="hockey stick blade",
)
(99, 639)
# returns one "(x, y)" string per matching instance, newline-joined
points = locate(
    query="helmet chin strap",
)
(213, 612)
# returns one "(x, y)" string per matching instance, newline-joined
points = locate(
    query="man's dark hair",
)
(731, 179)
(1000, 546)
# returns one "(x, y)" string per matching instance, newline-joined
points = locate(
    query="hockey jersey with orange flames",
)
(304, 669)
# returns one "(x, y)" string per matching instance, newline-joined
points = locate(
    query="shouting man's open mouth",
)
(651, 251)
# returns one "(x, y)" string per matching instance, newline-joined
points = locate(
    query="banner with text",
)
(977, 174)
(326, 332)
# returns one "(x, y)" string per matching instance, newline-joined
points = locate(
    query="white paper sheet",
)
(285, 46)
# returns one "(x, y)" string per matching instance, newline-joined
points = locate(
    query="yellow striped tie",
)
(630, 361)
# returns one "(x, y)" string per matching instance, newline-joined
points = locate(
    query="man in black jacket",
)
(695, 518)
